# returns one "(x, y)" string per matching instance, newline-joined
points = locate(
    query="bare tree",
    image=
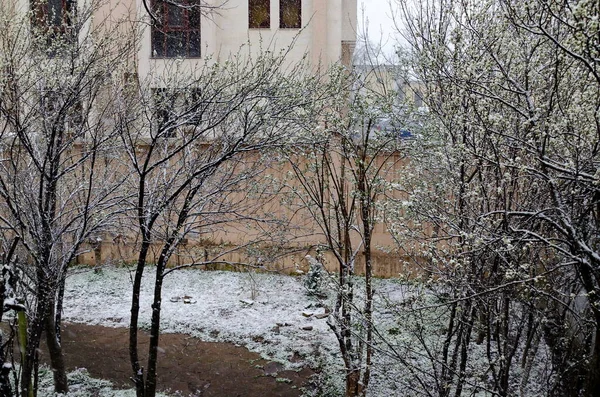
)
(340, 181)
(193, 141)
(57, 86)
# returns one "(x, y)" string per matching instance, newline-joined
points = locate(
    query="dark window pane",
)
(194, 44)
(175, 16)
(176, 44)
(290, 14)
(192, 105)
(158, 43)
(194, 17)
(55, 12)
(163, 104)
(259, 14)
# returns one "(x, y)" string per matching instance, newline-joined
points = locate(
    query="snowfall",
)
(271, 314)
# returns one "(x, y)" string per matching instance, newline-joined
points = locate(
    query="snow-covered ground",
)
(82, 385)
(271, 314)
(223, 306)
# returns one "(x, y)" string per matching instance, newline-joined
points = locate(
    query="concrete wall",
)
(385, 264)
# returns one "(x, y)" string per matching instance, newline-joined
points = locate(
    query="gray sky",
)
(379, 22)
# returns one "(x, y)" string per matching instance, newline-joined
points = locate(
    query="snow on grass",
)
(261, 311)
(272, 314)
(82, 385)
(268, 313)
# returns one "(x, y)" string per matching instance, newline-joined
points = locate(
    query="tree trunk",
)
(368, 307)
(354, 387)
(155, 329)
(60, 298)
(138, 371)
(57, 361)
(29, 342)
(593, 374)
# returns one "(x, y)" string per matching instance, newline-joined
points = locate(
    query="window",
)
(259, 14)
(176, 108)
(53, 16)
(176, 33)
(290, 14)
(164, 106)
(62, 110)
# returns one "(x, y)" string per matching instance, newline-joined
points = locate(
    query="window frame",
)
(192, 46)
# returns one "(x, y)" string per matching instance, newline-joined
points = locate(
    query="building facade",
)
(192, 30)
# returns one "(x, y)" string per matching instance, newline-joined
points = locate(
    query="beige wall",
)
(296, 233)
(325, 24)
(385, 264)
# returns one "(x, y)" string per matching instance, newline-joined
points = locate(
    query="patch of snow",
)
(82, 385)
(266, 301)
(276, 317)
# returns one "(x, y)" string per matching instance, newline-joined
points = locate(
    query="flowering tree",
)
(513, 207)
(339, 181)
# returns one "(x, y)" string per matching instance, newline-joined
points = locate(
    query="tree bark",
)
(30, 335)
(138, 372)
(592, 388)
(57, 362)
(354, 387)
(155, 328)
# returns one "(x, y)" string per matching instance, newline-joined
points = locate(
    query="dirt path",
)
(186, 364)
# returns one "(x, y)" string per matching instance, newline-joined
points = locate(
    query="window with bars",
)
(176, 32)
(290, 14)
(259, 14)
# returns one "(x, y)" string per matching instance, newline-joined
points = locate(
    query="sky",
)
(380, 26)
